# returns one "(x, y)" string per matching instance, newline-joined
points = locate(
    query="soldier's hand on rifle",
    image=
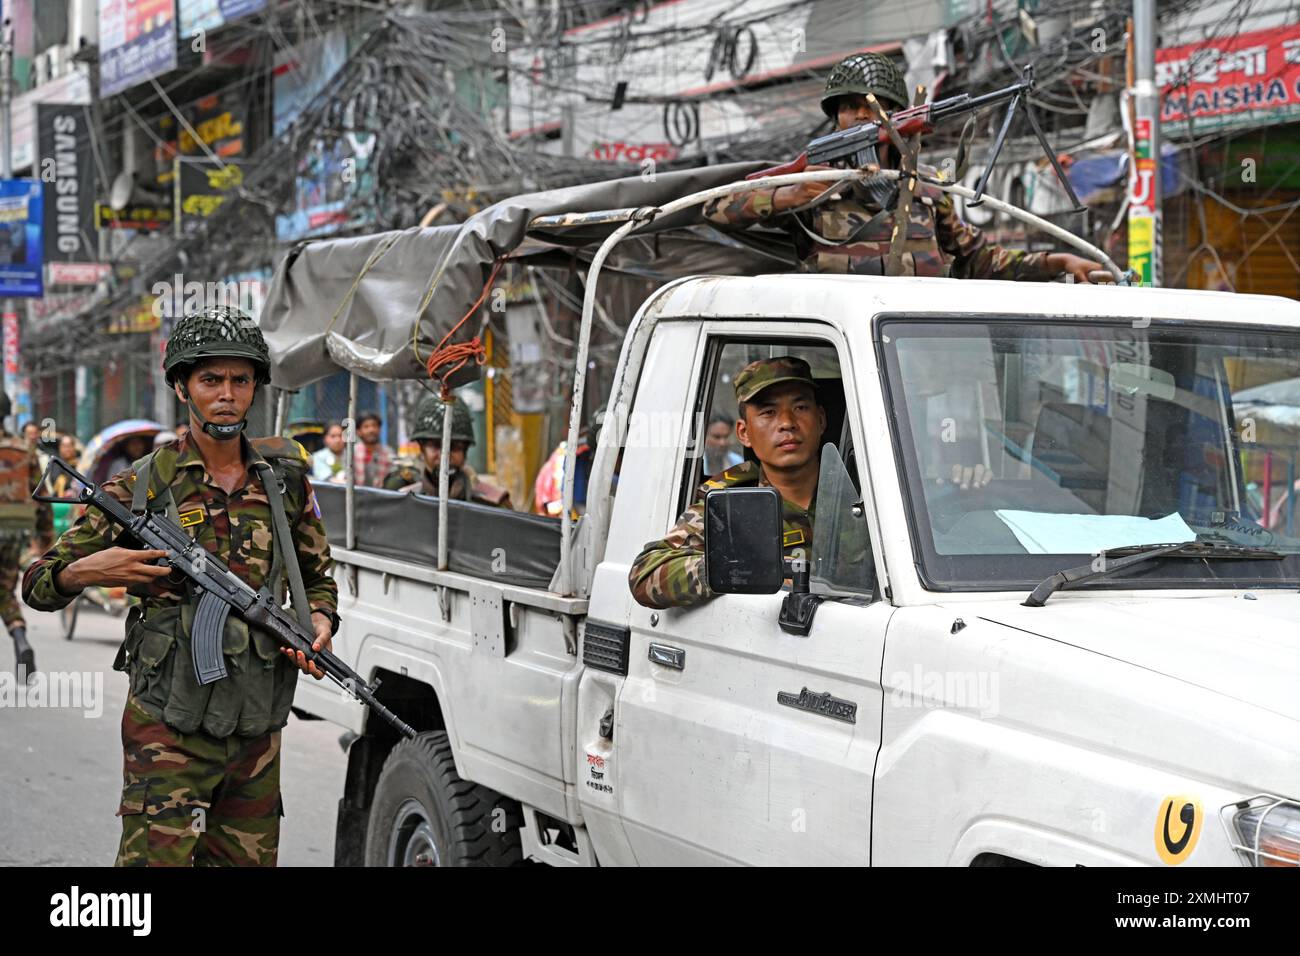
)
(798, 194)
(323, 626)
(111, 568)
(1076, 266)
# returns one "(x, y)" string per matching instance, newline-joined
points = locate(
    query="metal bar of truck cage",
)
(621, 215)
(444, 481)
(570, 220)
(566, 579)
(350, 460)
(281, 410)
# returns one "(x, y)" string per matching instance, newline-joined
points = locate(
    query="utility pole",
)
(1144, 214)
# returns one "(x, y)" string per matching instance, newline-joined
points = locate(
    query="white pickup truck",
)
(983, 437)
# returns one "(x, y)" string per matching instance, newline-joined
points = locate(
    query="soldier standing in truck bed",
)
(851, 234)
(464, 484)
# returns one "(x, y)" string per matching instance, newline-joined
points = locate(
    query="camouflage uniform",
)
(670, 572)
(17, 497)
(201, 763)
(195, 797)
(939, 242)
(230, 774)
(463, 484)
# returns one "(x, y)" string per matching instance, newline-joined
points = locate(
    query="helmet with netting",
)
(865, 73)
(220, 332)
(428, 421)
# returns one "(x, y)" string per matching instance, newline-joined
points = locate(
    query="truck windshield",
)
(1027, 442)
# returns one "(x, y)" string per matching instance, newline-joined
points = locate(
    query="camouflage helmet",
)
(428, 421)
(865, 73)
(223, 331)
(758, 375)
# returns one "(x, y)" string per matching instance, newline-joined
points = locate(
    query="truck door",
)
(736, 741)
(650, 461)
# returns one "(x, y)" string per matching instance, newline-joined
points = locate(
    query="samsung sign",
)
(66, 167)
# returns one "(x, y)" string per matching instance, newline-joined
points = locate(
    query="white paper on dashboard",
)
(1044, 533)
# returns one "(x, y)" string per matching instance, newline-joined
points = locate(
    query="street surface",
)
(62, 775)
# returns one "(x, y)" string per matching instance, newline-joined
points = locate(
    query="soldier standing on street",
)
(20, 517)
(851, 234)
(463, 483)
(202, 762)
(781, 421)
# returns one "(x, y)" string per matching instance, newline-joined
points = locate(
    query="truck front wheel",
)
(424, 814)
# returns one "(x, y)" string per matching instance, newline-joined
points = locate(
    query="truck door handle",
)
(674, 657)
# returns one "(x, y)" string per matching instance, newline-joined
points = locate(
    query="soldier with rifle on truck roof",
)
(851, 233)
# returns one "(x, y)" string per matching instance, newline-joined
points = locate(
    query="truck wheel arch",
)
(418, 703)
(424, 813)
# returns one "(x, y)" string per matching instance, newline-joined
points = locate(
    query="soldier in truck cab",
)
(851, 233)
(781, 422)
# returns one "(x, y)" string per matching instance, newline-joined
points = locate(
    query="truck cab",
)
(982, 438)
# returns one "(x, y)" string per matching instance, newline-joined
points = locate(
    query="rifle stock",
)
(796, 165)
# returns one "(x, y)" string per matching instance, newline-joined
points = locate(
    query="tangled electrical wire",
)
(423, 91)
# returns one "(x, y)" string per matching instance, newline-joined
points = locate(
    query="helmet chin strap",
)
(219, 432)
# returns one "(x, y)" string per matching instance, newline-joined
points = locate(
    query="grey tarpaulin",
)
(314, 326)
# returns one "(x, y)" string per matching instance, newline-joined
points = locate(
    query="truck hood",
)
(1248, 650)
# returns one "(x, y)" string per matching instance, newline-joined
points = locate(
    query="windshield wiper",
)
(1141, 554)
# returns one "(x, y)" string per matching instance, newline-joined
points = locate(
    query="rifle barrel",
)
(965, 103)
(156, 530)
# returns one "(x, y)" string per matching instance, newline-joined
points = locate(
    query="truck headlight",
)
(1265, 830)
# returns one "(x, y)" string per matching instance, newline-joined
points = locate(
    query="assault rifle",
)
(856, 147)
(220, 591)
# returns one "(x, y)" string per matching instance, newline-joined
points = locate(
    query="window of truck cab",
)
(1025, 443)
(842, 560)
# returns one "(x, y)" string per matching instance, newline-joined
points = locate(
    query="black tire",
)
(424, 814)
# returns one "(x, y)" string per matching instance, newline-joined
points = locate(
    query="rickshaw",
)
(102, 458)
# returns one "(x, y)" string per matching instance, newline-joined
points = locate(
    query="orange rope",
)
(460, 354)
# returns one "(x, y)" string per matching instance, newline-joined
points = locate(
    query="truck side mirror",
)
(742, 541)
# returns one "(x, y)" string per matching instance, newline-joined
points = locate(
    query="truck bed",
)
(493, 543)
(499, 666)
